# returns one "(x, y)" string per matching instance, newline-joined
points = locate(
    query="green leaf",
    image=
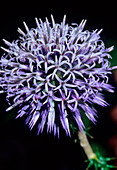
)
(109, 159)
(96, 165)
(90, 164)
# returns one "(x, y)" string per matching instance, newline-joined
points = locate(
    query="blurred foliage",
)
(110, 43)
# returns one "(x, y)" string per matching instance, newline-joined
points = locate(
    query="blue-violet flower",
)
(54, 71)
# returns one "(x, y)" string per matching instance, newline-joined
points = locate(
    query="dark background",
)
(21, 149)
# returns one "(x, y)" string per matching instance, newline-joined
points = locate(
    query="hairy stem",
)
(86, 146)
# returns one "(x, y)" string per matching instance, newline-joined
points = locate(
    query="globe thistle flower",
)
(55, 71)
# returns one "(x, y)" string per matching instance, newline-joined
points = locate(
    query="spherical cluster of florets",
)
(54, 72)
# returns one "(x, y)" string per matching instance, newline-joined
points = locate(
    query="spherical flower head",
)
(55, 71)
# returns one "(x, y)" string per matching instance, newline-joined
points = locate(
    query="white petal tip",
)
(20, 31)
(2, 91)
(100, 31)
(26, 27)
(7, 42)
(53, 22)
(6, 50)
(37, 22)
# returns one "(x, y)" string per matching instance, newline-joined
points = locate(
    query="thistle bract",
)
(54, 71)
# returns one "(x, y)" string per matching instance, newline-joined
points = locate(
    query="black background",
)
(19, 148)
